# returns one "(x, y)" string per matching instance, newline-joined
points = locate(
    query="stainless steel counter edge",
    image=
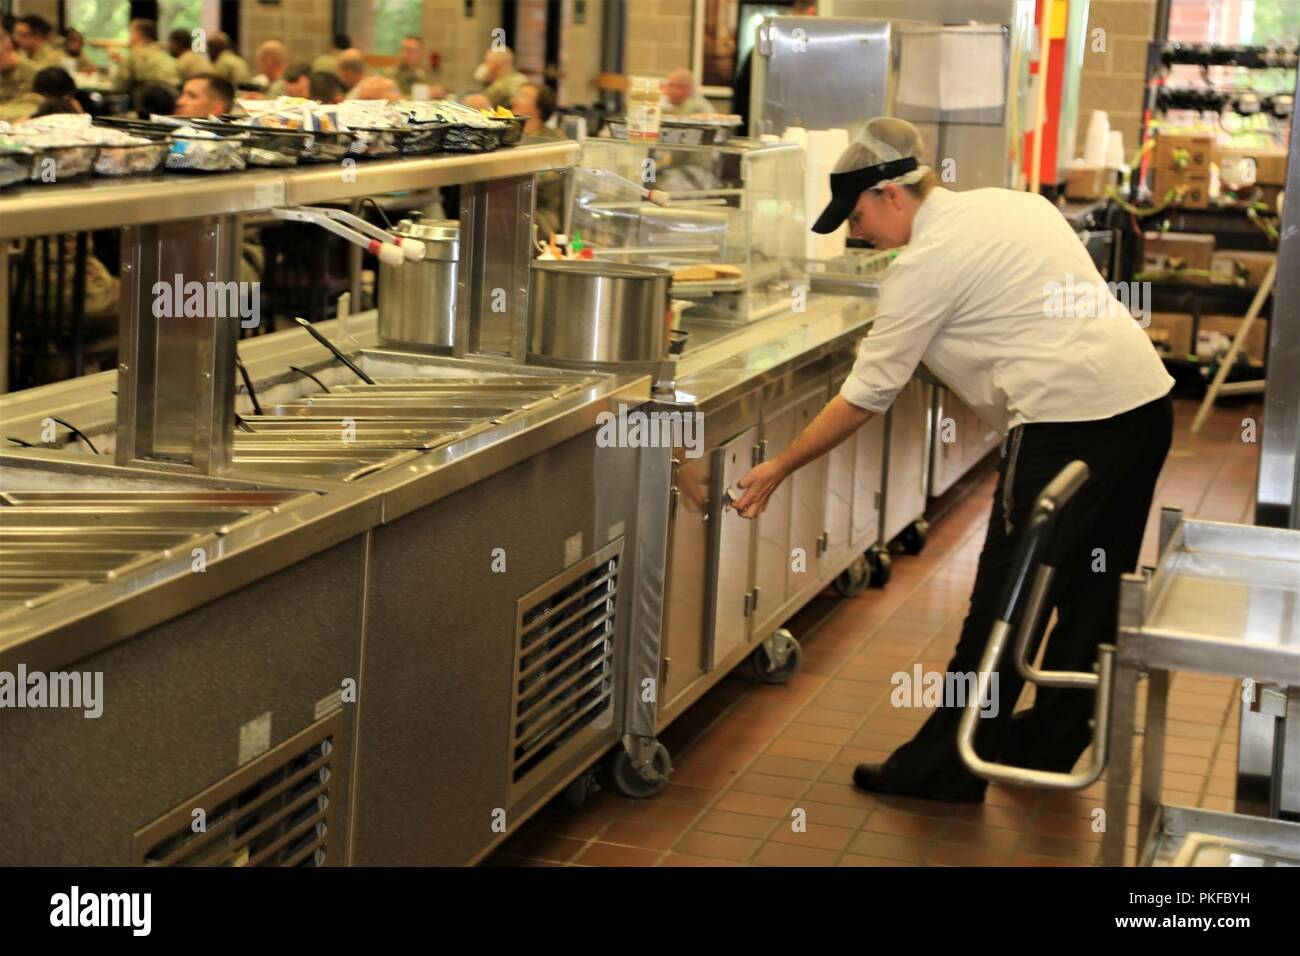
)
(719, 373)
(106, 613)
(432, 477)
(96, 617)
(109, 203)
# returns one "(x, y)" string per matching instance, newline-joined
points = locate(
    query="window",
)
(180, 14)
(99, 19)
(379, 26)
(1233, 22)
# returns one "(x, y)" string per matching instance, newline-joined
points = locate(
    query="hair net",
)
(884, 140)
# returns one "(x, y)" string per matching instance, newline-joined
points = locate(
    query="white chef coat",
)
(975, 296)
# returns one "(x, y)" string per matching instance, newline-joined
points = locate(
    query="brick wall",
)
(304, 26)
(658, 36)
(460, 41)
(581, 58)
(1112, 80)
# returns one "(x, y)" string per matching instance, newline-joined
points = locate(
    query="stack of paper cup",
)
(823, 148)
(1115, 150)
(1097, 142)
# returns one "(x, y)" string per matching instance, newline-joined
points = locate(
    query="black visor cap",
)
(847, 187)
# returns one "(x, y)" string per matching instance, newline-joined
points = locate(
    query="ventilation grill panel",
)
(272, 812)
(564, 663)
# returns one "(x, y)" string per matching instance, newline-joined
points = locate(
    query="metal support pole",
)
(496, 229)
(178, 331)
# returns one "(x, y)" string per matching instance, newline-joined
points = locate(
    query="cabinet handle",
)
(673, 495)
(748, 596)
(753, 605)
(756, 455)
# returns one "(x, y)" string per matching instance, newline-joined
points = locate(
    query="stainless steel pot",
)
(599, 313)
(417, 300)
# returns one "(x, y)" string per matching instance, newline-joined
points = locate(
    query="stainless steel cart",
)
(1223, 600)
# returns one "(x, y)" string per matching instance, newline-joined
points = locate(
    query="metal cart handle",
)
(1048, 507)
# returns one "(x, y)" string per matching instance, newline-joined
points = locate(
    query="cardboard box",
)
(1191, 189)
(1224, 266)
(1178, 252)
(1256, 340)
(1171, 332)
(1088, 182)
(1264, 166)
(1190, 152)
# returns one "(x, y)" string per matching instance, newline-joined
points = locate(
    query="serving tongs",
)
(390, 249)
(334, 350)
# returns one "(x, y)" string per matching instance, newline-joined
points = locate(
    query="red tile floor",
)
(747, 755)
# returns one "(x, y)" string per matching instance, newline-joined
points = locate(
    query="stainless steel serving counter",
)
(148, 200)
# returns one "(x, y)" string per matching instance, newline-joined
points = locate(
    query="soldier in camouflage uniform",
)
(32, 36)
(189, 62)
(16, 72)
(409, 70)
(145, 61)
(226, 62)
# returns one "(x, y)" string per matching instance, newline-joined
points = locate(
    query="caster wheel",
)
(576, 793)
(854, 579)
(777, 659)
(882, 566)
(913, 536)
(629, 782)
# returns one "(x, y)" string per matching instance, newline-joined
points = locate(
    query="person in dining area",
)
(536, 103)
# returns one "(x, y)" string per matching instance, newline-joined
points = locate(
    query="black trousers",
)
(1096, 540)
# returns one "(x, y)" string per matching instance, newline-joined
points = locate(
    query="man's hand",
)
(759, 483)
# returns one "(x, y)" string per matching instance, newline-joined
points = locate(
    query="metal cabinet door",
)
(683, 644)
(772, 531)
(837, 508)
(800, 77)
(906, 481)
(808, 490)
(868, 472)
(731, 539)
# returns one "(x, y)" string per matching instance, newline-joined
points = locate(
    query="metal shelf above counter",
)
(109, 203)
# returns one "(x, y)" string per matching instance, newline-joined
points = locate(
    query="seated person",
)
(351, 71)
(154, 99)
(189, 62)
(411, 68)
(679, 92)
(297, 81)
(326, 88)
(376, 88)
(536, 103)
(205, 95)
(74, 48)
(145, 61)
(226, 62)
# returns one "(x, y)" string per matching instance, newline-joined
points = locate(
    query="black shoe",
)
(871, 777)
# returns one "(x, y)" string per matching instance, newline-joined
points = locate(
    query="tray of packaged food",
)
(118, 152)
(267, 146)
(322, 141)
(15, 163)
(692, 130)
(469, 130)
(191, 148)
(60, 152)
